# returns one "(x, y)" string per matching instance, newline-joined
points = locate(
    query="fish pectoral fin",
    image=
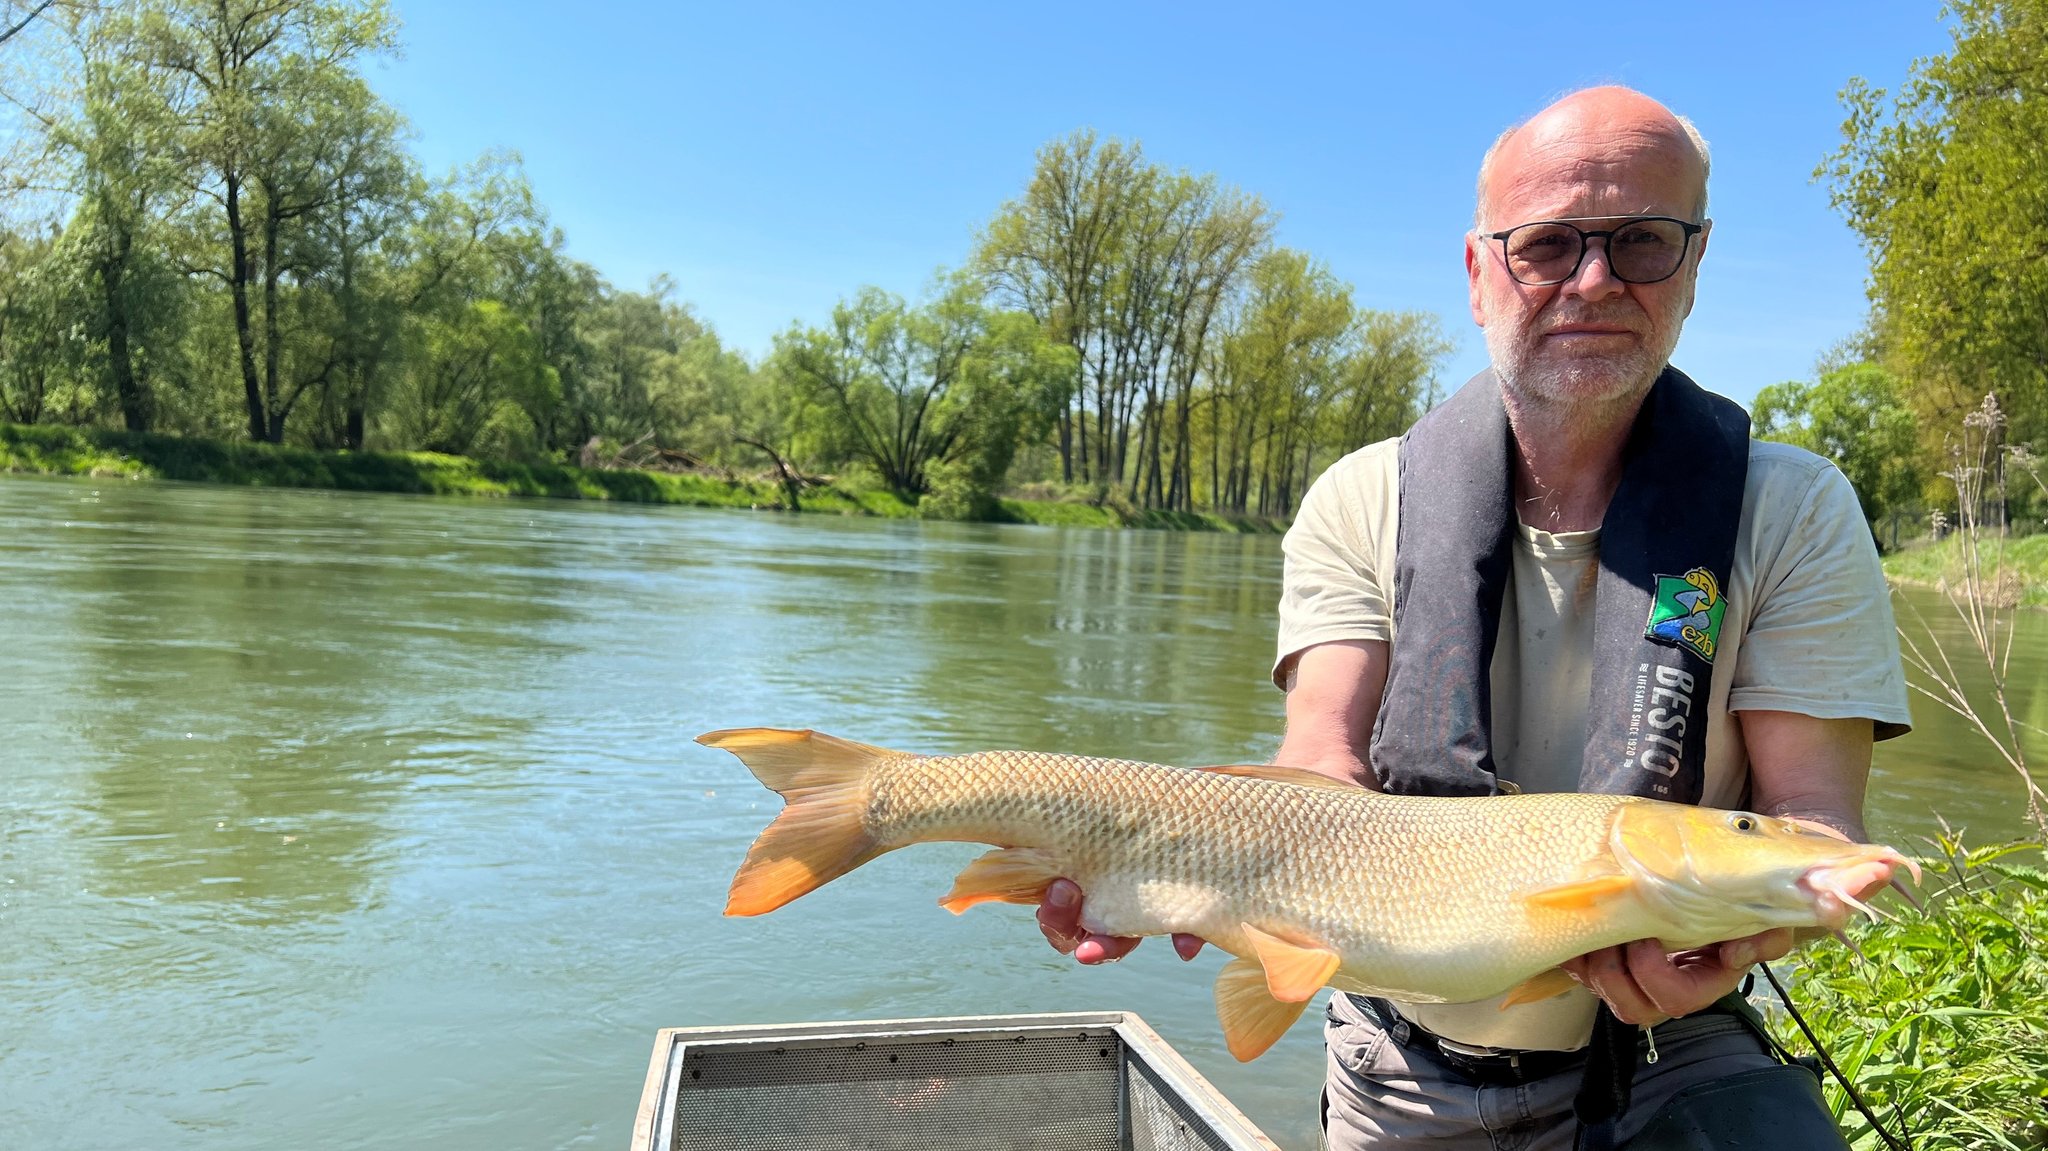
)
(1294, 971)
(1538, 987)
(1295, 775)
(1005, 875)
(1252, 1019)
(1593, 883)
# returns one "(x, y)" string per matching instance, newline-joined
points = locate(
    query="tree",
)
(273, 118)
(1857, 417)
(1947, 184)
(904, 389)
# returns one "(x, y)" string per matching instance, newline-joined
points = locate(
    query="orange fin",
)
(1543, 985)
(1294, 971)
(1252, 1019)
(1581, 893)
(1295, 775)
(1005, 875)
(820, 835)
(1594, 880)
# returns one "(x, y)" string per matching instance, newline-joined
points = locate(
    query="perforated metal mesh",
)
(1160, 1119)
(1040, 1091)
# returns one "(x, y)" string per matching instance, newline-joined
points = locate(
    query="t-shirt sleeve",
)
(1821, 641)
(1332, 587)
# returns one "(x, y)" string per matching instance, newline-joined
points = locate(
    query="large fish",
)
(1309, 882)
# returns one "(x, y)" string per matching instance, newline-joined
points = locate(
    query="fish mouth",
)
(1835, 887)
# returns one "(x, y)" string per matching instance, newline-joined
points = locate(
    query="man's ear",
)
(1706, 230)
(1475, 252)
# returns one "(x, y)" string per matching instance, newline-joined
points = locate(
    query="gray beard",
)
(1575, 387)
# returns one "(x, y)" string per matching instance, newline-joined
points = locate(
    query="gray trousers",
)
(1384, 1094)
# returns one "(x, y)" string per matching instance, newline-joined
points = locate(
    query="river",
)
(374, 821)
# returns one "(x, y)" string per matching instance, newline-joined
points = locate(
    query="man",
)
(1520, 536)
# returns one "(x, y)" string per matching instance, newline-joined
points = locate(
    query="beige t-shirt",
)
(1808, 629)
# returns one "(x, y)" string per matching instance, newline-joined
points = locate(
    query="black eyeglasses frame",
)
(1585, 237)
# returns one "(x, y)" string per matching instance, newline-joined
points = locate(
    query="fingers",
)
(1104, 948)
(1186, 946)
(1673, 985)
(1608, 973)
(1059, 920)
(1059, 916)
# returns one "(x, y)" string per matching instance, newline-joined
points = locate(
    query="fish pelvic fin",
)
(1543, 985)
(1294, 971)
(821, 833)
(1252, 1019)
(1005, 875)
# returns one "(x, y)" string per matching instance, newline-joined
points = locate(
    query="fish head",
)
(1717, 875)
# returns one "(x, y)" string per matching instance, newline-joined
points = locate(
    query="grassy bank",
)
(50, 450)
(1937, 1020)
(2017, 569)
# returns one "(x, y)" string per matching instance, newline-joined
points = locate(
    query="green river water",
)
(374, 821)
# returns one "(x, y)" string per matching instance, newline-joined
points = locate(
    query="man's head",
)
(1596, 158)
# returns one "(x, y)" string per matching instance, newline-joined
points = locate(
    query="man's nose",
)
(1595, 279)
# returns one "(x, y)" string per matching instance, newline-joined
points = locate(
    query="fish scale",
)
(1308, 881)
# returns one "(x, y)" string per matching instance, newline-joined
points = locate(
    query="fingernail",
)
(1060, 897)
(1741, 955)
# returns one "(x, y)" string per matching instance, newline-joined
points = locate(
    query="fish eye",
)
(1742, 821)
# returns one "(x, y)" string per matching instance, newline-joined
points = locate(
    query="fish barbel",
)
(1308, 881)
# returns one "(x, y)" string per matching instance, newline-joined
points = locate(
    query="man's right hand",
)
(1059, 917)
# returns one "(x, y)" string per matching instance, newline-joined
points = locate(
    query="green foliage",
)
(1947, 184)
(1856, 416)
(1939, 1025)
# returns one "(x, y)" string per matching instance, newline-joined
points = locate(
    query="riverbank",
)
(2016, 570)
(56, 450)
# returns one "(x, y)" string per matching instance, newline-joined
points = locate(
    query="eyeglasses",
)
(1643, 250)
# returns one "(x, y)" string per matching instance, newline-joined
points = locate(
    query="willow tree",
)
(275, 118)
(1129, 265)
(1946, 183)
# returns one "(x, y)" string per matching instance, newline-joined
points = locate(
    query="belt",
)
(1492, 1066)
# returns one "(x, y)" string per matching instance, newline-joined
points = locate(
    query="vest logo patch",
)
(1687, 611)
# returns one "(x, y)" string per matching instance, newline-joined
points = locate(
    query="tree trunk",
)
(120, 360)
(238, 287)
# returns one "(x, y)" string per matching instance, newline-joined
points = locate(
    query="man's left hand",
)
(1645, 986)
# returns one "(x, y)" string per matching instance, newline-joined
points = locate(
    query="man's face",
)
(1592, 340)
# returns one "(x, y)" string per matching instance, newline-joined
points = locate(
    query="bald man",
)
(1580, 574)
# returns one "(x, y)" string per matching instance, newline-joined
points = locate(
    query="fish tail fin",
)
(821, 833)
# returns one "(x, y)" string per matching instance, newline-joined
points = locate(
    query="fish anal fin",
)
(1252, 1019)
(1547, 984)
(821, 833)
(1294, 971)
(1299, 776)
(1005, 875)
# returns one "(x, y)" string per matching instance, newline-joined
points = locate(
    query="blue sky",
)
(772, 158)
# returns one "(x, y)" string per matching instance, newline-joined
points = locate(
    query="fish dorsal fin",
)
(1252, 1019)
(1005, 875)
(1299, 776)
(1543, 985)
(1594, 882)
(1294, 971)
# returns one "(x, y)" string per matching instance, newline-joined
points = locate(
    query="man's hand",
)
(1645, 986)
(1059, 917)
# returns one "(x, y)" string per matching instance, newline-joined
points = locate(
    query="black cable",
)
(1828, 1061)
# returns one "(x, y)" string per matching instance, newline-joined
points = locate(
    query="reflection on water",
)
(377, 818)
